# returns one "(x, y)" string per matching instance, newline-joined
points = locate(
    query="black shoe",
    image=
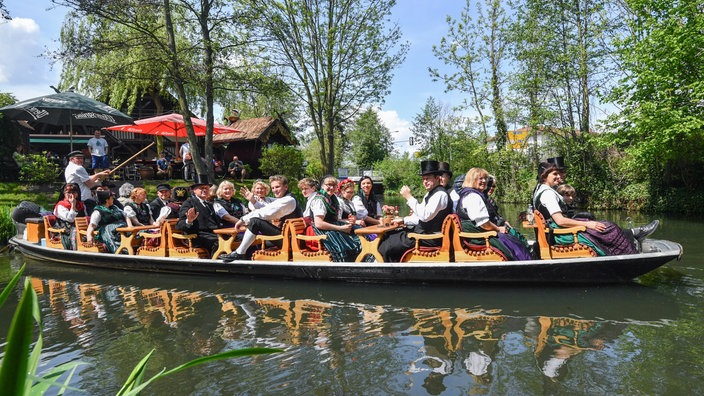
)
(640, 233)
(233, 256)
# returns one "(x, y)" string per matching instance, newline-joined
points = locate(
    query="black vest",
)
(491, 209)
(370, 203)
(435, 224)
(234, 206)
(297, 212)
(143, 211)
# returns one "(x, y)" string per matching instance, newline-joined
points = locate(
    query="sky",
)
(36, 25)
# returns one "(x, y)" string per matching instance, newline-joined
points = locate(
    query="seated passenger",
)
(341, 241)
(66, 210)
(197, 216)
(138, 212)
(267, 220)
(427, 218)
(605, 237)
(309, 189)
(345, 189)
(365, 202)
(227, 207)
(568, 194)
(125, 190)
(106, 218)
(477, 215)
(257, 197)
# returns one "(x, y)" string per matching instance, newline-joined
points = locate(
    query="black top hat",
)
(75, 153)
(200, 180)
(559, 162)
(430, 167)
(163, 186)
(445, 168)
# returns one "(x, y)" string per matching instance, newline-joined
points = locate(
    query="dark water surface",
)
(341, 338)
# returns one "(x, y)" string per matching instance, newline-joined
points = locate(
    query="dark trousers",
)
(263, 227)
(396, 243)
(208, 241)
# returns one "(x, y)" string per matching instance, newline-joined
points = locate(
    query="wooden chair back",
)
(274, 253)
(548, 251)
(81, 237)
(299, 249)
(155, 244)
(180, 244)
(464, 251)
(434, 254)
(52, 235)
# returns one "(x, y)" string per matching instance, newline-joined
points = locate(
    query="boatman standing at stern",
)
(428, 214)
(259, 221)
(76, 173)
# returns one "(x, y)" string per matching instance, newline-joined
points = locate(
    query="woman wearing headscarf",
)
(365, 202)
(106, 218)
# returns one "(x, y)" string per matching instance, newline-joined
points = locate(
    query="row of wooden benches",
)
(166, 241)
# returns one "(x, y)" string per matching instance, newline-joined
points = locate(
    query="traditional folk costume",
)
(613, 241)
(65, 218)
(427, 218)
(106, 220)
(474, 210)
(342, 246)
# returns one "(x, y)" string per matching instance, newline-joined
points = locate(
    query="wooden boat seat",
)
(52, 235)
(299, 249)
(180, 244)
(435, 254)
(274, 253)
(128, 238)
(155, 244)
(227, 241)
(464, 251)
(81, 233)
(548, 251)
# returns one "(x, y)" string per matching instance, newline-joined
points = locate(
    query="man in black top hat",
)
(197, 215)
(428, 214)
(446, 176)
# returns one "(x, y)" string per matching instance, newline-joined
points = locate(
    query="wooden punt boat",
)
(605, 269)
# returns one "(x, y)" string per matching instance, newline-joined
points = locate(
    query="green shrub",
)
(38, 169)
(282, 160)
(7, 227)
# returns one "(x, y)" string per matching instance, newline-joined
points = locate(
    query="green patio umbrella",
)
(66, 109)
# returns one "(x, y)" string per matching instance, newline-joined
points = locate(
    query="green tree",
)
(433, 128)
(370, 141)
(467, 47)
(338, 57)
(282, 160)
(661, 126)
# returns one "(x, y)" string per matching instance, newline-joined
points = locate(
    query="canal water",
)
(644, 337)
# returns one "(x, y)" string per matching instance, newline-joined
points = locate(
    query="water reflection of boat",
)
(607, 269)
(471, 334)
(604, 301)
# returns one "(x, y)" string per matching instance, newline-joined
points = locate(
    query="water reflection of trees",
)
(458, 347)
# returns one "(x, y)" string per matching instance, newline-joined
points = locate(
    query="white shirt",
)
(259, 202)
(317, 207)
(426, 211)
(98, 147)
(274, 211)
(185, 149)
(65, 214)
(475, 208)
(550, 199)
(75, 173)
(362, 211)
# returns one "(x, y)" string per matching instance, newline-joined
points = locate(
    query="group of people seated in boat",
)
(335, 209)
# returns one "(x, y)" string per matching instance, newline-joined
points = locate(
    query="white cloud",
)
(400, 129)
(22, 70)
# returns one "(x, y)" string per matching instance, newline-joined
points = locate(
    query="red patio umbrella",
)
(170, 125)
